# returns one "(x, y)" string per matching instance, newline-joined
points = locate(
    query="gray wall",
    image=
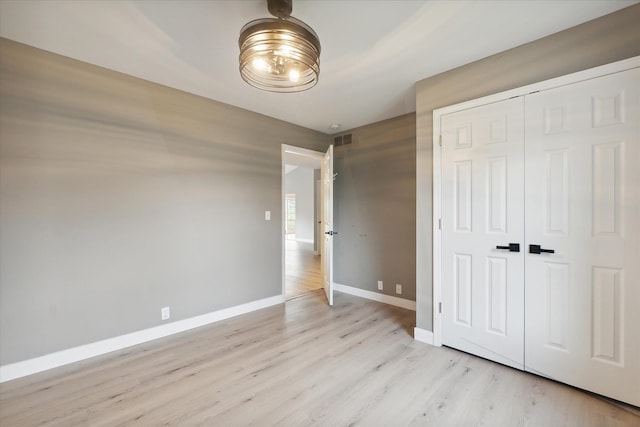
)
(119, 197)
(374, 208)
(601, 41)
(300, 181)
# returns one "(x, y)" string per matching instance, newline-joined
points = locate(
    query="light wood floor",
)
(302, 269)
(298, 364)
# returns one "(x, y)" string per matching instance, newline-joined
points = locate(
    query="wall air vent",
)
(342, 140)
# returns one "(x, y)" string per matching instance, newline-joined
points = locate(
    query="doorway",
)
(301, 221)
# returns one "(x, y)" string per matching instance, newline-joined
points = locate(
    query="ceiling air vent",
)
(337, 141)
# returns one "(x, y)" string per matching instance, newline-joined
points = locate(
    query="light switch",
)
(267, 215)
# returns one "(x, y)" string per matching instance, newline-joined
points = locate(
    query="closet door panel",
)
(582, 186)
(482, 155)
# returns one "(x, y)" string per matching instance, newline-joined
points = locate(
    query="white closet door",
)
(482, 180)
(582, 312)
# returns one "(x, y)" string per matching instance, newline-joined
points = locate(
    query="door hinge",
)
(439, 223)
(440, 307)
(440, 141)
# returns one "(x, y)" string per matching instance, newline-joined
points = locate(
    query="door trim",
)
(591, 73)
(285, 148)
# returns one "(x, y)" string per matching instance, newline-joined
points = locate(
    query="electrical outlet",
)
(165, 313)
(267, 215)
(379, 285)
(398, 288)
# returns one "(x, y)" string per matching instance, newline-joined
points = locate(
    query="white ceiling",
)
(373, 52)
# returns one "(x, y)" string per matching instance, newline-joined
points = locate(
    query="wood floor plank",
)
(302, 269)
(298, 364)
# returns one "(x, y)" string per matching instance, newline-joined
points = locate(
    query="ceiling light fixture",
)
(279, 54)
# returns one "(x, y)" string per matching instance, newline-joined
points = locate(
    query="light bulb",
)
(260, 64)
(294, 75)
(284, 50)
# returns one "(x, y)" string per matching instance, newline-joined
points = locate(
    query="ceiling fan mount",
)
(280, 8)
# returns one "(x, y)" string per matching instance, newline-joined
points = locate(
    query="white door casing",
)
(327, 224)
(582, 201)
(482, 162)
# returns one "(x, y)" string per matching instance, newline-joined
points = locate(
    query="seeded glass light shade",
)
(279, 55)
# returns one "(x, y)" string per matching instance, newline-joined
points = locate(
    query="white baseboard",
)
(75, 354)
(387, 299)
(423, 335)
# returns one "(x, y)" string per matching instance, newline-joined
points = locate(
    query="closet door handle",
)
(536, 249)
(513, 247)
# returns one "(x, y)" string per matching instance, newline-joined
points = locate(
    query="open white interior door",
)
(327, 224)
